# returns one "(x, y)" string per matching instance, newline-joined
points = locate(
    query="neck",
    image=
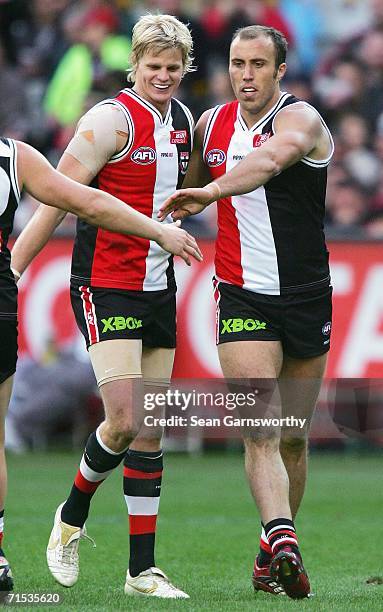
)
(252, 117)
(162, 108)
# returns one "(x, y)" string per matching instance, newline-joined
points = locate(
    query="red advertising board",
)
(357, 339)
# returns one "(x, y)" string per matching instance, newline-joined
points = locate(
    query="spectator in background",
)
(33, 35)
(343, 19)
(306, 24)
(346, 208)
(86, 65)
(49, 394)
(13, 106)
(358, 158)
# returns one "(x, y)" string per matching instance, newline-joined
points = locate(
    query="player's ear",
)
(281, 71)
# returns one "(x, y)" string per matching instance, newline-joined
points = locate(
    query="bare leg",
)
(264, 466)
(5, 394)
(300, 384)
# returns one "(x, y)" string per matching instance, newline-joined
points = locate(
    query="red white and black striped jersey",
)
(270, 240)
(9, 199)
(148, 170)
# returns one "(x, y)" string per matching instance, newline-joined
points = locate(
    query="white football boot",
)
(152, 583)
(62, 550)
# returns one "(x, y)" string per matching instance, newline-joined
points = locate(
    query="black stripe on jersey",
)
(84, 248)
(8, 206)
(170, 278)
(181, 121)
(296, 203)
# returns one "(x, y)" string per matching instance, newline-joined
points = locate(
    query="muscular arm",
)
(97, 207)
(100, 133)
(298, 130)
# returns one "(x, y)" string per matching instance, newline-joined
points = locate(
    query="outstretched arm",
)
(297, 132)
(97, 207)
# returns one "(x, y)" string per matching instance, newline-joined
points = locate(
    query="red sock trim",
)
(265, 546)
(139, 524)
(129, 473)
(84, 485)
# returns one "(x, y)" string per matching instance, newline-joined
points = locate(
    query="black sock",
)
(96, 464)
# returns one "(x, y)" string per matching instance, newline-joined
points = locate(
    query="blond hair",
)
(160, 32)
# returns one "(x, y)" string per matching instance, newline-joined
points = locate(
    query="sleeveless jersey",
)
(9, 199)
(270, 240)
(148, 170)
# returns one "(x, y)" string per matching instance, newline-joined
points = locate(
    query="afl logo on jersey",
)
(215, 157)
(144, 156)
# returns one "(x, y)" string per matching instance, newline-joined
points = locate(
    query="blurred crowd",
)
(60, 57)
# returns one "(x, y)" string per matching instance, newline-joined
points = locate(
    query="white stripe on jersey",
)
(258, 252)
(142, 506)
(157, 260)
(5, 190)
(13, 170)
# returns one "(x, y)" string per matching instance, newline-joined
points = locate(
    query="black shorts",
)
(301, 322)
(8, 331)
(111, 314)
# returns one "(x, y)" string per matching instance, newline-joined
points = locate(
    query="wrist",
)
(214, 189)
(158, 233)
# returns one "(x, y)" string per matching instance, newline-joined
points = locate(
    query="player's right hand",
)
(186, 202)
(177, 241)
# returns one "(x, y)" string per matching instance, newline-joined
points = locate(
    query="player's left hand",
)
(185, 202)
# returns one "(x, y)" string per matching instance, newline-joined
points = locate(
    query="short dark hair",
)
(279, 40)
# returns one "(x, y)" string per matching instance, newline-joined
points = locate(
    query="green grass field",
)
(207, 534)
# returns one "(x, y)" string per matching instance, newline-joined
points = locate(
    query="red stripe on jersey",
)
(117, 255)
(129, 473)
(85, 485)
(140, 524)
(89, 314)
(228, 245)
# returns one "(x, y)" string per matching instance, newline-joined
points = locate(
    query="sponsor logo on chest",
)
(260, 139)
(178, 137)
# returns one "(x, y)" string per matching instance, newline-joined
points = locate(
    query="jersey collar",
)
(266, 117)
(149, 106)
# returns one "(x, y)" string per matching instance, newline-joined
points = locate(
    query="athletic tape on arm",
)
(95, 140)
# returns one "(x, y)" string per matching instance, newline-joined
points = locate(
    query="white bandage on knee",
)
(95, 140)
(116, 360)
